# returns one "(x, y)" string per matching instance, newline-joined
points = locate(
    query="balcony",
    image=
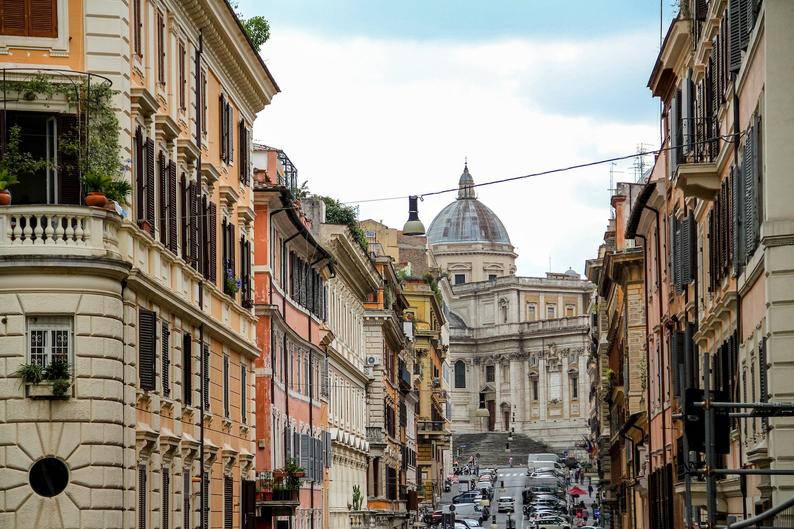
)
(277, 503)
(434, 431)
(49, 230)
(406, 383)
(696, 160)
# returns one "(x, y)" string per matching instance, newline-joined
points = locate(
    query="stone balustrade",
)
(58, 230)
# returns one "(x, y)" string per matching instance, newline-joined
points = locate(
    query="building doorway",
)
(491, 415)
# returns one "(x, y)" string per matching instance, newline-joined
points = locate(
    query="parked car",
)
(505, 504)
(470, 510)
(552, 522)
(469, 522)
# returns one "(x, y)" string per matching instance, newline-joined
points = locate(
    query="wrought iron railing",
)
(699, 140)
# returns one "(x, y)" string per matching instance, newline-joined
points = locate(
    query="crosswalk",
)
(511, 475)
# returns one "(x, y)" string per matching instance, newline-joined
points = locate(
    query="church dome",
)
(467, 219)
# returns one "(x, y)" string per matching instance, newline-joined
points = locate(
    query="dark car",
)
(471, 496)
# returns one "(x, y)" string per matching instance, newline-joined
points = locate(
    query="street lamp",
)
(413, 226)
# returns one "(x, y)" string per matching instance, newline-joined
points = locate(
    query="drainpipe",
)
(199, 89)
(123, 379)
(738, 225)
(647, 349)
(203, 499)
(310, 388)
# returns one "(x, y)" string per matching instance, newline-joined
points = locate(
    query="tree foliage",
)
(338, 213)
(257, 28)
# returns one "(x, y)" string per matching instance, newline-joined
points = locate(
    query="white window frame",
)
(551, 312)
(49, 324)
(55, 46)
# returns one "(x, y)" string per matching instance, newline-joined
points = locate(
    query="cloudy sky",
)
(382, 98)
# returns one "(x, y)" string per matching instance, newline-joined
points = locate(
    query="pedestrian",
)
(590, 490)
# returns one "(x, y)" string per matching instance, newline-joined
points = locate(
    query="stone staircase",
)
(491, 447)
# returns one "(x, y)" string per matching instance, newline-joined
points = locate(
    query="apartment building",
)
(355, 280)
(715, 224)
(622, 381)
(291, 301)
(140, 316)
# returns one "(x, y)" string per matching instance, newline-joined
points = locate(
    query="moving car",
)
(469, 496)
(505, 504)
(470, 510)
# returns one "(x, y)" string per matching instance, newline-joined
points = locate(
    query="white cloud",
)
(364, 118)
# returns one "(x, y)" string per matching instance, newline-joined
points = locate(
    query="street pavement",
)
(511, 482)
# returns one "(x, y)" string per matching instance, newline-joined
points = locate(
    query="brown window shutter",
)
(205, 383)
(150, 213)
(228, 503)
(160, 48)
(205, 236)
(213, 264)
(232, 260)
(142, 512)
(137, 23)
(222, 132)
(165, 338)
(182, 75)
(187, 368)
(194, 226)
(172, 214)
(163, 199)
(43, 18)
(147, 335)
(139, 175)
(182, 215)
(12, 21)
(166, 496)
(230, 130)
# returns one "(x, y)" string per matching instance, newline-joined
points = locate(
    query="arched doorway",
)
(505, 409)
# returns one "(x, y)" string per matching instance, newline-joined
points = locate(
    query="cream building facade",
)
(518, 345)
(134, 304)
(355, 279)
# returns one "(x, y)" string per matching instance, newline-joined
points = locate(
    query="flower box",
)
(44, 390)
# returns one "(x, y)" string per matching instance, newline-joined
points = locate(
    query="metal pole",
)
(711, 483)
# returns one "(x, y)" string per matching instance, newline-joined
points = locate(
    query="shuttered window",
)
(162, 176)
(171, 208)
(139, 159)
(137, 27)
(182, 75)
(751, 176)
(150, 186)
(187, 369)
(186, 494)
(213, 236)
(204, 236)
(183, 218)
(161, 48)
(226, 386)
(228, 502)
(243, 394)
(205, 500)
(205, 382)
(204, 102)
(763, 383)
(222, 133)
(166, 497)
(29, 18)
(248, 505)
(166, 359)
(242, 135)
(147, 335)
(142, 489)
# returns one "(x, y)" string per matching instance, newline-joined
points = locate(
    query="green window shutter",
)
(749, 193)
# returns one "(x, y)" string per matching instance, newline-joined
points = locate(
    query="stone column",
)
(515, 390)
(542, 380)
(498, 392)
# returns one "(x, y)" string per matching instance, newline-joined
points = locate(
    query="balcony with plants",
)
(278, 492)
(62, 185)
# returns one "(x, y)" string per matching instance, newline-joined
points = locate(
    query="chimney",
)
(618, 202)
(314, 208)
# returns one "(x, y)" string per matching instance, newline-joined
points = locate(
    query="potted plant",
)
(230, 283)
(294, 470)
(95, 185)
(6, 180)
(54, 380)
(117, 192)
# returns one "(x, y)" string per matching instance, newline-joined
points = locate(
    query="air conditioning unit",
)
(373, 360)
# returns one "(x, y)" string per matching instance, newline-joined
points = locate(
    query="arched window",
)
(460, 374)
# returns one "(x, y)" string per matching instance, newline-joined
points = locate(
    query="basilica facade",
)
(518, 345)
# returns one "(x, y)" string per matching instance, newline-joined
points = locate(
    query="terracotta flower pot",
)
(96, 200)
(5, 198)
(298, 474)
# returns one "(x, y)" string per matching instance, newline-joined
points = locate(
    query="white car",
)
(468, 522)
(551, 522)
(505, 504)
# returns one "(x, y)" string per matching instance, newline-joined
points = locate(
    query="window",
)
(243, 394)
(490, 373)
(165, 358)
(160, 48)
(205, 383)
(226, 386)
(532, 311)
(226, 132)
(29, 18)
(535, 390)
(142, 497)
(166, 496)
(228, 496)
(187, 491)
(147, 336)
(492, 277)
(48, 477)
(204, 102)
(49, 339)
(182, 76)
(570, 311)
(137, 27)
(460, 279)
(243, 138)
(551, 312)
(574, 386)
(187, 369)
(460, 374)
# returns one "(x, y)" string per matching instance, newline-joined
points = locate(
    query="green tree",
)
(257, 28)
(338, 213)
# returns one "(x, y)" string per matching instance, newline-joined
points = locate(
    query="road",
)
(509, 482)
